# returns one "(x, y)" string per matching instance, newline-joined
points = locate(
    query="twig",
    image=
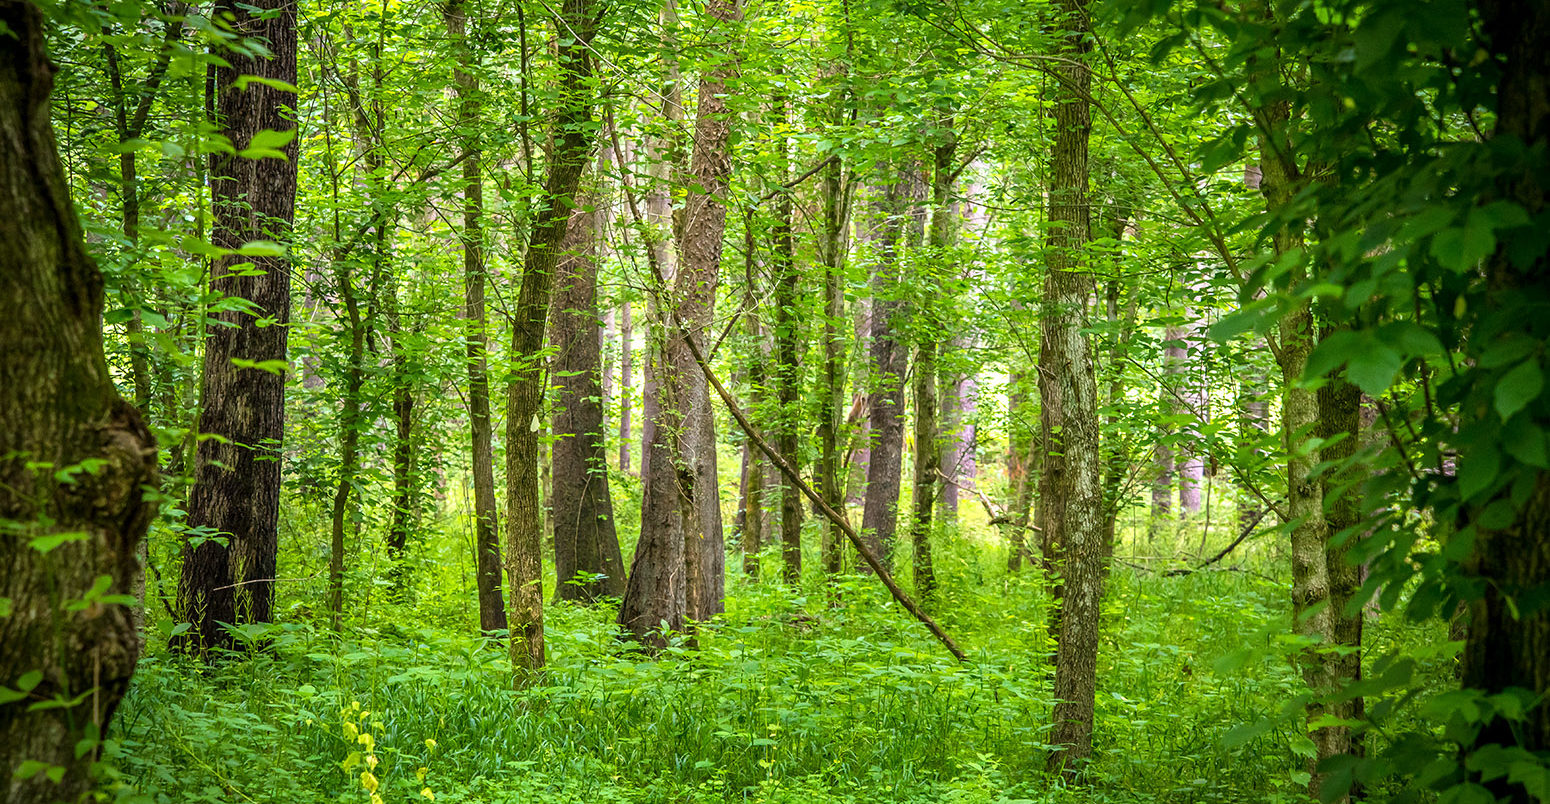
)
(1247, 531)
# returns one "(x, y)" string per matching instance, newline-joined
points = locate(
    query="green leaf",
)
(1244, 733)
(261, 248)
(1518, 388)
(267, 144)
(273, 83)
(47, 542)
(271, 366)
(1372, 369)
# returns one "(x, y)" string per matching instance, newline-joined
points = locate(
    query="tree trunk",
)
(928, 449)
(832, 398)
(1340, 408)
(64, 542)
(654, 595)
(885, 414)
(788, 417)
(626, 334)
(349, 437)
(236, 494)
(1312, 616)
(1508, 646)
(695, 299)
(487, 549)
(573, 138)
(1072, 483)
(1022, 465)
(584, 537)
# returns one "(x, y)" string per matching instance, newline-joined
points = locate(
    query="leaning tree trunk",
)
(66, 542)
(1073, 477)
(584, 537)
(573, 138)
(487, 550)
(236, 494)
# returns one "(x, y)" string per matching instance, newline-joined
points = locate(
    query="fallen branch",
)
(775, 457)
(1247, 531)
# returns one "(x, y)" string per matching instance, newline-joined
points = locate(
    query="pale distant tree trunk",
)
(237, 479)
(959, 402)
(585, 540)
(695, 296)
(58, 409)
(1177, 371)
(1191, 464)
(626, 403)
(571, 152)
(1073, 476)
(487, 549)
(655, 593)
(1021, 468)
(1254, 422)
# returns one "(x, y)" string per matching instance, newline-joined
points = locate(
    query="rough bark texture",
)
(885, 403)
(573, 136)
(1311, 614)
(487, 548)
(57, 407)
(694, 291)
(928, 441)
(788, 325)
(654, 595)
(1068, 387)
(236, 494)
(584, 537)
(1509, 646)
(1340, 407)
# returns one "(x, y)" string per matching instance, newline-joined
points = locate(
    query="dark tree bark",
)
(584, 537)
(236, 494)
(695, 296)
(487, 549)
(885, 414)
(404, 516)
(58, 407)
(1072, 483)
(1022, 467)
(1340, 408)
(1508, 647)
(573, 137)
(654, 595)
(787, 365)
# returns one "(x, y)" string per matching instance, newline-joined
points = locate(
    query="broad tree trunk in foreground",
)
(694, 292)
(487, 549)
(1069, 390)
(654, 595)
(1508, 647)
(584, 537)
(236, 494)
(573, 138)
(58, 407)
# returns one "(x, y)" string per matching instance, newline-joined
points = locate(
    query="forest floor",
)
(825, 694)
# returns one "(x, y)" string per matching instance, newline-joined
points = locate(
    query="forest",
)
(819, 401)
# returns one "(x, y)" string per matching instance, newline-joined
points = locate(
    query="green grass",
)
(824, 694)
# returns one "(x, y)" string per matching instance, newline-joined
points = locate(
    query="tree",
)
(584, 537)
(492, 606)
(1072, 482)
(573, 137)
(77, 459)
(229, 553)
